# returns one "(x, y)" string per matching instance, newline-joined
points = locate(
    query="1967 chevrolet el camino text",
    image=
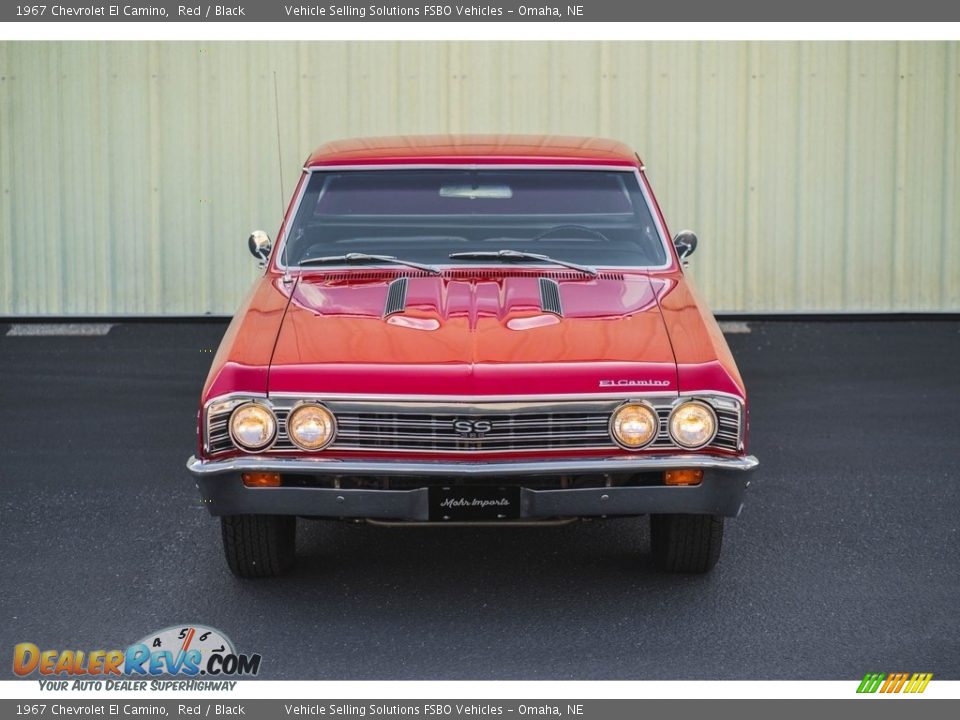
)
(472, 329)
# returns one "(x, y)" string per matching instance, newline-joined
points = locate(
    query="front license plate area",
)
(472, 503)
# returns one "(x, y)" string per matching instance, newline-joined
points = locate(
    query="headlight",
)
(253, 426)
(311, 427)
(693, 425)
(634, 425)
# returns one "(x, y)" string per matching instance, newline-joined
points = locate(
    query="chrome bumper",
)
(318, 466)
(720, 493)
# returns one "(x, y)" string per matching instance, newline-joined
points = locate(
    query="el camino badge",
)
(634, 383)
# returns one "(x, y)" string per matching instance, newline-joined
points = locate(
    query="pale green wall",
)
(820, 176)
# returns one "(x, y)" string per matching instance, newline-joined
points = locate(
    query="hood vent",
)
(396, 297)
(550, 296)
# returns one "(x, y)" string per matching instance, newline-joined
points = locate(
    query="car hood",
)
(472, 335)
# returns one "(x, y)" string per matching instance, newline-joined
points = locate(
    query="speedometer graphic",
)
(179, 640)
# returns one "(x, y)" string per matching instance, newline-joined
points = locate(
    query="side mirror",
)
(259, 244)
(685, 242)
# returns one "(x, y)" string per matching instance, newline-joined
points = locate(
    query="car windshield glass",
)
(592, 217)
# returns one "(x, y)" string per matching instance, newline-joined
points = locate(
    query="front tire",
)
(259, 545)
(686, 543)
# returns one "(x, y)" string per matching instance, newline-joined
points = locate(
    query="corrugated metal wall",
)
(819, 176)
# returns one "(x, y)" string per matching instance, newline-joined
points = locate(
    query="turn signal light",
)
(261, 479)
(682, 477)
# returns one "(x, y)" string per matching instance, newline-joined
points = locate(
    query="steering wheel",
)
(580, 228)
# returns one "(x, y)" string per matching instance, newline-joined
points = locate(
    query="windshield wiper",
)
(364, 257)
(520, 255)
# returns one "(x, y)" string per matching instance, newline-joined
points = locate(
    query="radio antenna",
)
(276, 106)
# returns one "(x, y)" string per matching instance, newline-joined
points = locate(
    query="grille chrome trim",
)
(402, 426)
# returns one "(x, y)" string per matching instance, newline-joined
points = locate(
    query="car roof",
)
(474, 149)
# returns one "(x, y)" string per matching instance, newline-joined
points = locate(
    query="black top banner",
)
(497, 11)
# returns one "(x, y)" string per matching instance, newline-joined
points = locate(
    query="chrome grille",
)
(728, 431)
(218, 434)
(436, 432)
(404, 426)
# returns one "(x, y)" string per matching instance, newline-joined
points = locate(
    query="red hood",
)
(479, 335)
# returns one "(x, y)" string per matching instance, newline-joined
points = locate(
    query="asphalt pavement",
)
(845, 559)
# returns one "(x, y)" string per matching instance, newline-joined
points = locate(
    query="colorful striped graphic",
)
(894, 682)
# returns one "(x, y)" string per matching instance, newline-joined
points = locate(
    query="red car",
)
(472, 330)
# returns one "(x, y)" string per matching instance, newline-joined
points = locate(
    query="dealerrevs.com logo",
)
(179, 651)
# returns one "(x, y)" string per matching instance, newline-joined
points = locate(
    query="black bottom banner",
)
(473, 709)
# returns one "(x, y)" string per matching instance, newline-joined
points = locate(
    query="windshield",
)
(581, 216)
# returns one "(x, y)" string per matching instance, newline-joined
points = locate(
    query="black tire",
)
(259, 545)
(686, 543)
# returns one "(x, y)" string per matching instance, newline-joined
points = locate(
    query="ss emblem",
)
(472, 428)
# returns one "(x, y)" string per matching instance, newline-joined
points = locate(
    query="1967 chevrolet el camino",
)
(472, 329)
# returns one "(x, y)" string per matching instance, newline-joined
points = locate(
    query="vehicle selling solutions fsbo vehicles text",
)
(426, 11)
(374, 709)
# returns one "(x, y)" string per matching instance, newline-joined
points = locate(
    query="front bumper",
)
(720, 493)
